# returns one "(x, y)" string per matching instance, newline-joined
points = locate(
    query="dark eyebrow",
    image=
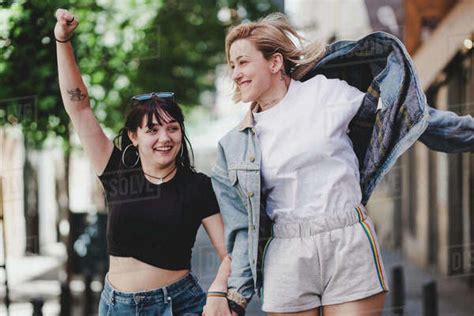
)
(152, 125)
(172, 121)
(166, 122)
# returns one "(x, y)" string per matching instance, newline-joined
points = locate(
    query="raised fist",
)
(65, 25)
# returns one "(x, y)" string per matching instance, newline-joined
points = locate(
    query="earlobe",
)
(275, 69)
(133, 137)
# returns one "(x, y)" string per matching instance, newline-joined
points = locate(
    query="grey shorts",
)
(329, 261)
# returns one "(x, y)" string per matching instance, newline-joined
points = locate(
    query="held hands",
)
(65, 25)
(217, 306)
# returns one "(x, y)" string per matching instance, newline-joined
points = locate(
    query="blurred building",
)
(437, 196)
(11, 198)
(425, 205)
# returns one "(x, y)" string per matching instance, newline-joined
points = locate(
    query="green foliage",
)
(28, 78)
(122, 47)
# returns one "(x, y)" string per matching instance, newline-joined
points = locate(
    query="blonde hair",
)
(274, 34)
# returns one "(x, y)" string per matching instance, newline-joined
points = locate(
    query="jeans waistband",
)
(320, 224)
(162, 294)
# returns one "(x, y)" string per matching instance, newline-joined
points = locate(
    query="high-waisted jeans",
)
(184, 297)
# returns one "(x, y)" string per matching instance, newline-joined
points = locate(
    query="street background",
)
(52, 210)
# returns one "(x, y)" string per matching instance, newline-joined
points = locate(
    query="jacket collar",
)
(248, 121)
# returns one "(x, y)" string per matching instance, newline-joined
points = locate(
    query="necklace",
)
(160, 179)
(266, 106)
(282, 90)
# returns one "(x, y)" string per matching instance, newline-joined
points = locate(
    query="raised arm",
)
(448, 132)
(75, 97)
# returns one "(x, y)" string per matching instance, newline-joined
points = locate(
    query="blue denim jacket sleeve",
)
(240, 281)
(448, 132)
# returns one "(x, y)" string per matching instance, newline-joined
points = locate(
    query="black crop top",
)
(156, 224)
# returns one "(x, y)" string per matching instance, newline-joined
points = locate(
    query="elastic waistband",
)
(113, 295)
(320, 224)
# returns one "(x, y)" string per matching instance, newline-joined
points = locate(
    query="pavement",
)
(454, 296)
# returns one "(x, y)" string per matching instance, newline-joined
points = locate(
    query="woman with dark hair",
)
(156, 199)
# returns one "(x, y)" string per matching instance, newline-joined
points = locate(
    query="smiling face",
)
(252, 73)
(158, 144)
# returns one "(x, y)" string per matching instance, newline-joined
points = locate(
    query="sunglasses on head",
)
(149, 96)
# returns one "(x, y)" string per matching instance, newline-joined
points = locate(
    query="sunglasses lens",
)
(148, 96)
(166, 95)
(143, 97)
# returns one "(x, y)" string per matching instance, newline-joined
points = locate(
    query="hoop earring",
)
(123, 157)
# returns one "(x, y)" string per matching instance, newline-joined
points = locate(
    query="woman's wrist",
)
(236, 297)
(60, 40)
(218, 287)
(220, 281)
(220, 294)
(65, 41)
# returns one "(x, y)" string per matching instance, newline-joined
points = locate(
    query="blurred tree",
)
(185, 42)
(123, 48)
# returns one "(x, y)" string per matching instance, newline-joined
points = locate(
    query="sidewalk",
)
(454, 296)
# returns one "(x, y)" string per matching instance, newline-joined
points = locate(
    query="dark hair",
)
(155, 107)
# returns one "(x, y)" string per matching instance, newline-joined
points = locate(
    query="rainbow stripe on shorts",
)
(373, 247)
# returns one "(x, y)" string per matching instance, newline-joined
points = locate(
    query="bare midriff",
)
(128, 274)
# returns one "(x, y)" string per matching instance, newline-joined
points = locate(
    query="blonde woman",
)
(292, 179)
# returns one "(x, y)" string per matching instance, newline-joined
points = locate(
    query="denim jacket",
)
(393, 115)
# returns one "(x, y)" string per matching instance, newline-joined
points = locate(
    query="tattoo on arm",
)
(76, 94)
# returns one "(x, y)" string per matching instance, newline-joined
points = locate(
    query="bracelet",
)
(216, 294)
(236, 297)
(59, 41)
